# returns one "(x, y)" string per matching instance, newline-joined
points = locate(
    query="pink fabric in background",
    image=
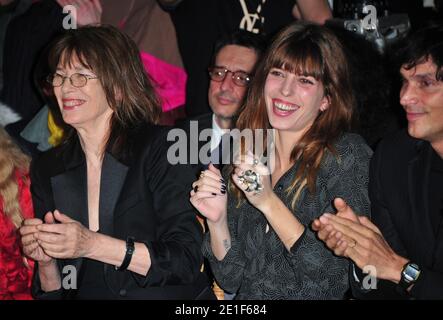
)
(169, 81)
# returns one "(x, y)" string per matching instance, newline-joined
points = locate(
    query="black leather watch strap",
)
(128, 256)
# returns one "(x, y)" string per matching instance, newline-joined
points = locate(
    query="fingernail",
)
(327, 215)
(223, 191)
(222, 180)
(323, 219)
(214, 194)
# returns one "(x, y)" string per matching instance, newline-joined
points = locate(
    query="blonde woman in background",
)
(15, 206)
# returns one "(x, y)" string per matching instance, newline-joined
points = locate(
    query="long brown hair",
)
(309, 50)
(115, 59)
(11, 159)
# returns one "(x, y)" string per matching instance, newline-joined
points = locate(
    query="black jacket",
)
(399, 193)
(142, 196)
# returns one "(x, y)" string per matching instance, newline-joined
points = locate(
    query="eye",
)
(276, 73)
(306, 81)
(426, 83)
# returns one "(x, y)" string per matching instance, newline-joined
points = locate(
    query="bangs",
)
(65, 53)
(301, 57)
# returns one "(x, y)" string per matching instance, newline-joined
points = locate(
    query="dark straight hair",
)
(115, 59)
(424, 44)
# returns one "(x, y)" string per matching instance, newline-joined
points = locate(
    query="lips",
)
(225, 100)
(282, 108)
(412, 116)
(71, 104)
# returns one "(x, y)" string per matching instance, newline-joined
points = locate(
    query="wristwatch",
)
(409, 275)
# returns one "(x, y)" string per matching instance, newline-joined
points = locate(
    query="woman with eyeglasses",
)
(259, 244)
(112, 217)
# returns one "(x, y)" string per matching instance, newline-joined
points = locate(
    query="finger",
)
(209, 181)
(62, 217)
(242, 186)
(324, 233)
(213, 169)
(29, 249)
(202, 195)
(49, 237)
(332, 241)
(49, 218)
(53, 228)
(28, 239)
(343, 210)
(26, 230)
(211, 189)
(367, 223)
(341, 248)
(316, 225)
(51, 248)
(355, 227)
(32, 222)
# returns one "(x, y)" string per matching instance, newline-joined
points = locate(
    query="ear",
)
(325, 102)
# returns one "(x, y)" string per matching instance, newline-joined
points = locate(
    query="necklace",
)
(252, 21)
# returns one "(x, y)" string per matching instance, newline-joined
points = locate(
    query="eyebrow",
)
(76, 68)
(238, 70)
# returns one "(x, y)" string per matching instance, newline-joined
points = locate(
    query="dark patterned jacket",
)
(258, 266)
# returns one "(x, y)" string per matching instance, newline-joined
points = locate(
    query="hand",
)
(331, 236)
(368, 245)
(31, 247)
(209, 196)
(88, 11)
(65, 240)
(258, 199)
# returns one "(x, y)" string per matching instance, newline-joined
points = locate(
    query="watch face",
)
(411, 272)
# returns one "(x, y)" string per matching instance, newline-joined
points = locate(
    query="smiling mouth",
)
(285, 107)
(70, 104)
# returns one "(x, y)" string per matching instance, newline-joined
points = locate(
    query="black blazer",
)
(141, 196)
(198, 142)
(398, 189)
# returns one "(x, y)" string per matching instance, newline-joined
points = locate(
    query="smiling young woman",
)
(259, 244)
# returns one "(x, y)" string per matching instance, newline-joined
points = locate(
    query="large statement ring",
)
(252, 180)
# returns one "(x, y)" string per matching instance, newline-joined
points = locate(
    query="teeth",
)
(72, 103)
(284, 107)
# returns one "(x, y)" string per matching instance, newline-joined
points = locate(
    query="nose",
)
(287, 87)
(67, 85)
(408, 94)
(227, 82)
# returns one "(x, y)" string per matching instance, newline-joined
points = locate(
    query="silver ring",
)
(256, 162)
(252, 180)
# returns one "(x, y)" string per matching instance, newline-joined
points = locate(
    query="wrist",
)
(269, 204)
(396, 269)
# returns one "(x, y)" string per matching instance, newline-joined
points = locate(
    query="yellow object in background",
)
(55, 132)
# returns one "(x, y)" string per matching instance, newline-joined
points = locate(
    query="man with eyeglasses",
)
(231, 71)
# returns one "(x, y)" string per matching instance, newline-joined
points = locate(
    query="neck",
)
(285, 141)
(223, 123)
(438, 147)
(93, 144)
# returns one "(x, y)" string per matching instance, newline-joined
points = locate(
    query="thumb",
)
(61, 217)
(49, 218)
(214, 169)
(344, 211)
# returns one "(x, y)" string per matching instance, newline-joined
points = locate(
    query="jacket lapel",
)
(69, 189)
(112, 179)
(418, 185)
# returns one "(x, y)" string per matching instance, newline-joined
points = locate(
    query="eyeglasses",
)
(78, 80)
(240, 78)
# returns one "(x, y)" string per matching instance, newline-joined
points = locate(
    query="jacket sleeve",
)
(41, 202)
(430, 283)
(176, 255)
(229, 271)
(325, 274)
